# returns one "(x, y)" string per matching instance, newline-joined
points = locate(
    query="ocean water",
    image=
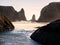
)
(20, 35)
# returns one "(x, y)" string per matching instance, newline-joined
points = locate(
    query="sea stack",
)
(50, 12)
(21, 15)
(33, 18)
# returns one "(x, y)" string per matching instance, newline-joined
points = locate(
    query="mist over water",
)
(27, 25)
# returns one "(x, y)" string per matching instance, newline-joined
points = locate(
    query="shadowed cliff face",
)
(10, 12)
(50, 12)
(5, 24)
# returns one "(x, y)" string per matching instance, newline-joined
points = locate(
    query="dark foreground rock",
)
(5, 24)
(50, 12)
(49, 34)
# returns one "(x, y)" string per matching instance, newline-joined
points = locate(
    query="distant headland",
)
(49, 13)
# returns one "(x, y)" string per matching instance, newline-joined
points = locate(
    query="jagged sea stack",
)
(49, 34)
(21, 15)
(33, 18)
(5, 24)
(50, 12)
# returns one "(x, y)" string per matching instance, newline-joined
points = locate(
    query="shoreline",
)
(24, 25)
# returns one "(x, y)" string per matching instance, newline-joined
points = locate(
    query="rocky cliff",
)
(10, 12)
(50, 12)
(49, 34)
(21, 15)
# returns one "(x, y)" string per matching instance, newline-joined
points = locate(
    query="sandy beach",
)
(27, 25)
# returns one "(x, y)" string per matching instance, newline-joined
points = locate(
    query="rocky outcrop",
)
(12, 15)
(5, 24)
(33, 18)
(21, 15)
(50, 12)
(9, 12)
(49, 34)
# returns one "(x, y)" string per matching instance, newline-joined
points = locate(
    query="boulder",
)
(50, 12)
(5, 24)
(48, 35)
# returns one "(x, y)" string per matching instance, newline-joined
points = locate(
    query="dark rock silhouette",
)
(10, 12)
(21, 15)
(33, 18)
(49, 34)
(5, 24)
(50, 12)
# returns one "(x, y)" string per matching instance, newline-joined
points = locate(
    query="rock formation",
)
(33, 18)
(9, 12)
(21, 15)
(5, 24)
(12, 15)
(50, 12)
(49, 34)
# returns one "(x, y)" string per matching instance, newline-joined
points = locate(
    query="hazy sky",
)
(30, 6)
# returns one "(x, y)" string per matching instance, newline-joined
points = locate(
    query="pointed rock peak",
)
(22, 15)
(33, 15)
(33, 18)
(22, 10)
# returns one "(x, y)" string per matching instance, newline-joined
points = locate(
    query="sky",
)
(30, 6)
